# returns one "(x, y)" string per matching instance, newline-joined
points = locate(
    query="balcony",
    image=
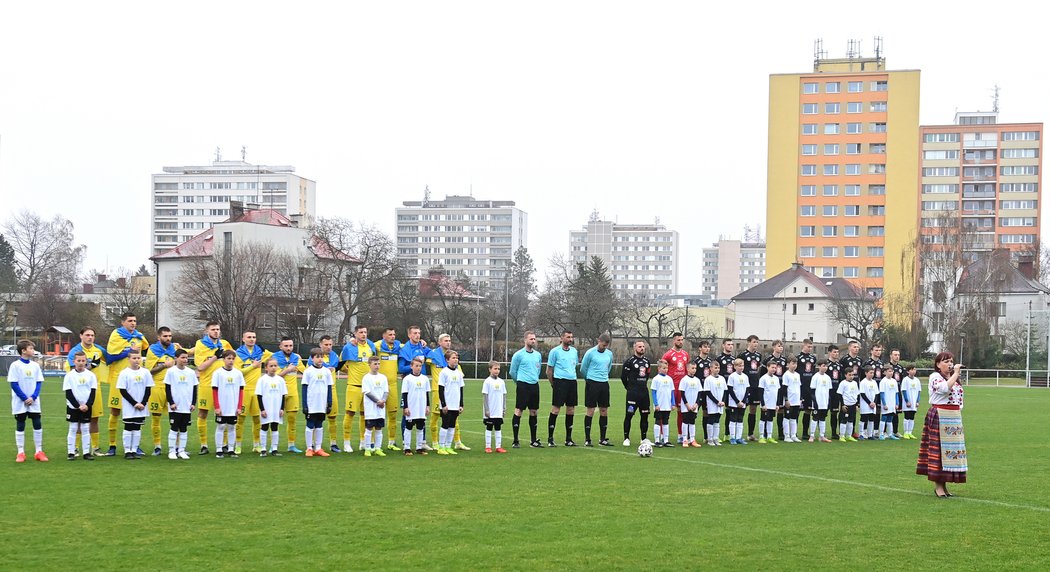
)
(979, 195)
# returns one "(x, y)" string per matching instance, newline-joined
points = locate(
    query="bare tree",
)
(125, 296)
(650, 320)
(365, 281)
(859, 318)
(44, 251)
(228, 287)
(299, 299)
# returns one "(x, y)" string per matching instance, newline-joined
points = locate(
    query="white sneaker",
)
(347, 448)
(626, 442)
(172, 455)
(184, 455)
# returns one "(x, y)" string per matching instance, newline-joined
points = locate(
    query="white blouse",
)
(941, 395)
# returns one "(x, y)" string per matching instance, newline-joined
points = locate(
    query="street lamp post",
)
(962, 346)
(14, 316)
(492, 340)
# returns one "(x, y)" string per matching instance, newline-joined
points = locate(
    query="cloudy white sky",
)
(637, 109)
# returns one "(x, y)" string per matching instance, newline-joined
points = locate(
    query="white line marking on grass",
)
(815, 478)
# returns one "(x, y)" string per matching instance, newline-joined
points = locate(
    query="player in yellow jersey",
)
(96, 362)
(436, 359)
(122, 342)
(250, 360)
(331, 361)
(388, 348)
(159, 357)
(355, 362)
(289, 365)
(207, 355)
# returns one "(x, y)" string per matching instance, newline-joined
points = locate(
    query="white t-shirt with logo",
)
(418, 389)
(272, 389)
(81, 383)
(135, 381)
(180, 383)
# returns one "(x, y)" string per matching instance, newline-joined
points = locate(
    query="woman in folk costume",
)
(942, 451)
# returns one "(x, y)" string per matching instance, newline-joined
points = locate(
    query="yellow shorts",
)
(291, 401)
(96, 406)
(355, 399)
(204, 397)
(251, 403)
(158, 400)
(113, 401)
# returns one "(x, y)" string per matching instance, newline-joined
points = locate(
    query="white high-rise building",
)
(642, 259)
(732, 266)
(477, 237)
(190, 199)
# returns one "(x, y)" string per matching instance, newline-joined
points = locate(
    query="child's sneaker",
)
(204, 451)
(451, 451)
(442, 451)
(500, 450)
(858, 438)
(882, 437)
(842, 439)
(71, 456)
(276, 453)
(825, 440)
(408, 452)
(811, 439)
(762, 441)
(112, 451)
(294, 449)
(89, 457)
(488, 449)
(380, 452)
(421, 452)
(347, 447)
(626, 442)
(321, 453)
(156, 451)
(852, 439)
(368, 452)
(309, 453)
(40, 456)
(129, 456)
(184, 455)
(173, 455)
(237, 450)
(335, 448)
(262, 453)
(393, 447)
(459, 446)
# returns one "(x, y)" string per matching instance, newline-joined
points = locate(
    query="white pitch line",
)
(817, 478)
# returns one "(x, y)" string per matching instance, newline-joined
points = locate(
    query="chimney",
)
(89, 288)
(122, 282)
(236, 210)
(100, 278)
(1026, 264)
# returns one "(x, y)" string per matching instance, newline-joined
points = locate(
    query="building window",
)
(806, 251)
(809, 170)
(853, 148)
(878, 127)
(876, 189)
(831, 149)
(853, 169)
(1020, 136)
(831, 169)
(854, 107)
(1019, 187)
(831, 129)
(831, 108)
(882, 85)
(876, 251)
(829, 251)
(828, 231)
(877, 169)
(876, 210)
(940, 189)
(878, 106)
(809, 190)
(851, 251)
(876, 231)
(809, 128)
(832, 87)
(831, 190)
(852, 190)
(807, 231)
(831, 210)
(941, 138)
(851, 210)
(809, 149)
(1014, 205)
(807, 210)
(855, 86)
(853, 128)
(940, 155)
(850, 272)
(1016, 239)
(874, 272)
(851, 230)
(809, 109)
(1019, 170)
(877, 148)
(809, 87)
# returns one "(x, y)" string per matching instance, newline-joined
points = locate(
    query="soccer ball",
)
(645, 449)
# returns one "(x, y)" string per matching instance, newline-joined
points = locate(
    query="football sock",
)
(155, 429)
(94, 439)
(515, 423)
(38, 439)
(458, 435)
(751, 424)
(368, 438)
(488, 437)
(552, 422)
(603, 425)
(85, 438)
(20, 441)
(587, 419)
(291, 428)
(645, 424)
(807, 428)
(231, 433)
(821, 427)
(114, 422)
(347, 427)
(533, 425)
(499, 438)
(127, 442)
(173, 440)
(202, 431)
(71, 438)
(136, 439)
(568, 426)
(627, 425)
(262, 439)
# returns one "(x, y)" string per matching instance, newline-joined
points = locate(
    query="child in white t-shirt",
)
(180, 384)
(415, 406)
(227, 393)
(792, 383)
(714, 406)
(849, 392)
(375, 390)
(820, 386)
(271, 391)
(450, 393)
(135, 385)
(81, 387)
(869, 399)
(691, 391)
(494, 399)
(738, 388)
(316, 402)
(662, 389)
(770, 386)
(911, 388)
(889, 396)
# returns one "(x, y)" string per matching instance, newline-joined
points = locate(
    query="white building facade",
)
(732, 266)
(189, 199)
(642, 259)
(477, 237)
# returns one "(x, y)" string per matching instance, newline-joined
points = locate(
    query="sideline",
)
(812, 478)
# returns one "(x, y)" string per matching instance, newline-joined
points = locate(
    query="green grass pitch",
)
(784, 506)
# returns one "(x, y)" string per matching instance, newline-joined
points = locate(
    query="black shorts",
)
(754, 395)
(564, 393)
(596, 394)
(834, 399)
(493, 423)
(78, 416)
(688, 417)
(526, 395)
(226, 419)
(178, 420)
(637, 400)
(317, 418)
(662, 417)
(375, 423)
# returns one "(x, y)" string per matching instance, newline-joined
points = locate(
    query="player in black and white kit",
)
(753, 370)
(635, 376)
(807, 366)
(703, 363)
(852, 362)
(834, 399)
(898, 374)
(875, 362)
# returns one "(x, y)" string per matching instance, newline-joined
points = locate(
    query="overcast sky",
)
(637, 109)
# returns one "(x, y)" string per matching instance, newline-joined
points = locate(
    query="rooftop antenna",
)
(995, 98)
(878, 47)
(426, 195)
(852, 49)
(818, 51)
(594, 216)
(218, 154)
(244, 152)
(657, 221)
